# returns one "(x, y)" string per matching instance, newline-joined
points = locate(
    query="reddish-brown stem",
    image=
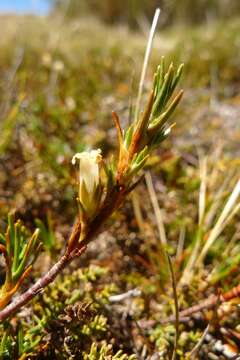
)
(74, 249)
(39, 286)
(184, 315)
(208, 303)
(35, 289)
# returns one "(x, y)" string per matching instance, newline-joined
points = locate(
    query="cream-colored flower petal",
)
(94, 155)
(89, 177)
(89, 172)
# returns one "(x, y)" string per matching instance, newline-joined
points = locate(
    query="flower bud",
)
(89, 180)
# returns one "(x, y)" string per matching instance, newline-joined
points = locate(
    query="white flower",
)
(89, 168)
(89, 178)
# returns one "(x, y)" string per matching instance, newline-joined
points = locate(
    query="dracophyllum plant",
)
(100, 194)
(103, 186)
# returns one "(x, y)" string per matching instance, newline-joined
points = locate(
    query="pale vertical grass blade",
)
(156, 208)
(188, 271)
(218, 228)
(230, 216)
(209, 218)
(137, 211)
(181, 241)
(145, 62)
(211, 278)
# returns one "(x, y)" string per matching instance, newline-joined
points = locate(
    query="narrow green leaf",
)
(128, 136)
(20, 341)
(45, 233)
(10, 245)
(2, 239)
(3, 344)
(141, 155)
(158, 138)
(168, 92)
(159, 101)
(138, 166)
(157, 123)
(28, 252)
(177, 77)
(16, 249)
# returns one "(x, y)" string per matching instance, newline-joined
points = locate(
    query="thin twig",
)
(209, 303)
(35, 289)
(129, 294)
(199, 344)
(176, 307)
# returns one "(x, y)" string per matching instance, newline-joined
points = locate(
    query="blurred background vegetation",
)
(136, 12)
